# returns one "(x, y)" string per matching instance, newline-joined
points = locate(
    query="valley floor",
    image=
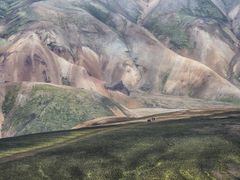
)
(201, 147)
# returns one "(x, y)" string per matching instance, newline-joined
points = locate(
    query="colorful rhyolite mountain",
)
(67, 61)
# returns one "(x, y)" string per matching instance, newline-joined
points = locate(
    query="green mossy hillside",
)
(51, 108)
(10, 99)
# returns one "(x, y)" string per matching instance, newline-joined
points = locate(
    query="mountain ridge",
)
(174, 48)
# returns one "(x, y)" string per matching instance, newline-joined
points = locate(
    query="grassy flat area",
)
(186, 149)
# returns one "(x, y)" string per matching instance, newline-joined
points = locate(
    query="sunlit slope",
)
(34, 108)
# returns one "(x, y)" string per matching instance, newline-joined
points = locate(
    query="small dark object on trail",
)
(149, 120)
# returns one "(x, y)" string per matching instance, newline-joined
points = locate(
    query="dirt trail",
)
(132, 114)
(168, 116)
(116, 122)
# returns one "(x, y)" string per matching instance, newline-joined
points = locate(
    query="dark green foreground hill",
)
(187, 149)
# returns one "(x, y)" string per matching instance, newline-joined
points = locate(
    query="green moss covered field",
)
(187, 149)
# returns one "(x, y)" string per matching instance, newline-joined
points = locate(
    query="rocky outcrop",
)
(118, 87)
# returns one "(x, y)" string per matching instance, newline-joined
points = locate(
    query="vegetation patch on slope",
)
(206, 9)
(2, 42)
(191, 149)
(10, 99)
(17, 15)
(174, 29)
(51, 108)
(174, 26)
(3, 8)
(98, 11)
